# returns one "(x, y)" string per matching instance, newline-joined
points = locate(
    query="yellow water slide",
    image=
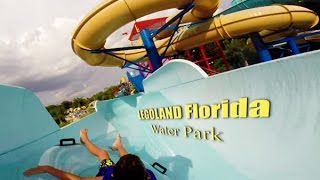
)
(110, 15)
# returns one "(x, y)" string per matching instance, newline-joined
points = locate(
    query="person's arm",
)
(57, 173)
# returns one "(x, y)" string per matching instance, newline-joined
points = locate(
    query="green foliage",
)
(108, 93)
(66, 104)
(79, 102)
(218, 65)
(238, 53)
(58, 112)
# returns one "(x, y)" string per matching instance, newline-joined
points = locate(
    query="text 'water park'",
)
(211, 93)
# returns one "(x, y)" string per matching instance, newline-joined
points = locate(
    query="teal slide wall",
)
(27, 131)
(283, 146)
(22, 110)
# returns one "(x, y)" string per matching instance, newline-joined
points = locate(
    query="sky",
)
(35, 49)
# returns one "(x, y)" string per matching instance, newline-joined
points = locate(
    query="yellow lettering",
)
(151, 113)
(139, 116)
(146, 114)
(259, 108)
(142, 114)
(225, 109)
(169, 112)
(195, 111)
(188, 108)
(204, 112)
(239, 109)
(215, 136)
(162, 113)
(197, 134)
(187, 131)
(177, 110)
(215, 110)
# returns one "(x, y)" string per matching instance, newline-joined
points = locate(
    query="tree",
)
(78, 102)
(238, 53)
(57, 113)
(98, 96)
(66, 104)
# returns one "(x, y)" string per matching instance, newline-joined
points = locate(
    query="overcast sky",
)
(35, 49)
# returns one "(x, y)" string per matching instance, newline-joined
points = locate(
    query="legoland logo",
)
(259, 108)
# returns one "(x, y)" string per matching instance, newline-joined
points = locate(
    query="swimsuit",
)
(106, 169)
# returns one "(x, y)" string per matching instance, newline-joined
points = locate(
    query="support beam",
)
(261, 48)
(293, 46)
(151, 49)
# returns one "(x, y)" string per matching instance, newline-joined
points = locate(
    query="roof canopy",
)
(150, 24)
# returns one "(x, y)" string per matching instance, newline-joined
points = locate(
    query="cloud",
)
(42, 60)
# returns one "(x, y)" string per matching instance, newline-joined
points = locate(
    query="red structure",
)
(150, 24)
(205, 61)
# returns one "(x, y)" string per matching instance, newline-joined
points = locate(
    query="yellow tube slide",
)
(274, 18)
(203, 9)
(111, 15)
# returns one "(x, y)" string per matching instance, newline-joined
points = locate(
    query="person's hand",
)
(34, 171)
